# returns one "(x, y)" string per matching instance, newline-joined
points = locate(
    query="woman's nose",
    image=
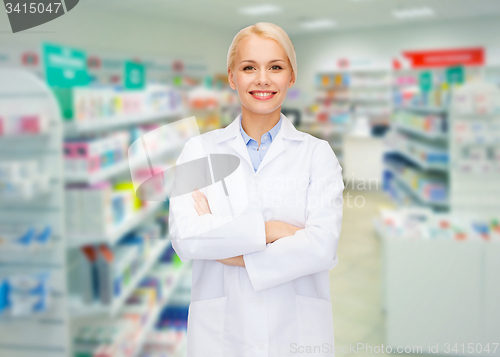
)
(263, 79)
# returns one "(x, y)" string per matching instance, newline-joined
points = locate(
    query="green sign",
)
(425, 82)
(135, 75)
(455, 75)
(64, 66)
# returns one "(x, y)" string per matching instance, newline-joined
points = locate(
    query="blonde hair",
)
(264, 30)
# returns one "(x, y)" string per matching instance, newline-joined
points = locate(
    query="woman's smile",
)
(262, 95)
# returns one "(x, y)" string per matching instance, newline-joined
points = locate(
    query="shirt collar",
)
(287, 130)
(273, 132)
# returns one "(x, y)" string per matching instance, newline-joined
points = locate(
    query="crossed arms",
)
(272, 252)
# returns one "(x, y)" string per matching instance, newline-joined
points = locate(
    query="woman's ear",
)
(292, 80)
(230, 78)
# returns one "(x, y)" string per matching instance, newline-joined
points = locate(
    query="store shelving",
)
(474, 146)
(362, 90)
(424, 109)
(76, 128)
(79, 310)
(459, 233)
(118, 232)
(42, 332)
(428, 152)
(50, 332)
(421, 133)
(121, 167)
(177, 274)
(350, 101)
(414, 192)
(422, 163)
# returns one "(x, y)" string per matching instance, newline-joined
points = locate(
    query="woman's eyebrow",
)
(252, 61)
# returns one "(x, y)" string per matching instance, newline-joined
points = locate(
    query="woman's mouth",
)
(261, 95)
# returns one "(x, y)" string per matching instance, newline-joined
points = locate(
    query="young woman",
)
(262, 241)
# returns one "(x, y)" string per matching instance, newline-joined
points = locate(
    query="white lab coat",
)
(279, 303)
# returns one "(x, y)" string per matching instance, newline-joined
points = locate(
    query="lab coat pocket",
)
(315, 325)
(205, 334)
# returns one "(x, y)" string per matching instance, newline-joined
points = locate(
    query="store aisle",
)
(356, 287)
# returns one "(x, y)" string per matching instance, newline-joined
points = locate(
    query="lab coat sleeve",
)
(210, 236)
(313, 248)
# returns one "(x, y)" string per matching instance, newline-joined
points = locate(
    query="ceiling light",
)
(257, 10)
(318, 24)
(413, 13)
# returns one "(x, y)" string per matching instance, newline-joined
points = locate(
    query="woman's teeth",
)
(263, 94)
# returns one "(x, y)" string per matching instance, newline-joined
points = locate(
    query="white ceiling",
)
(348, 14)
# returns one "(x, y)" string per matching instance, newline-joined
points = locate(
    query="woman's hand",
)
(201, 206)
(235, 261)
(200, 203)
(278, 229)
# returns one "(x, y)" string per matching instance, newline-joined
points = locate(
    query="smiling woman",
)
(261, 67)
(260, 276)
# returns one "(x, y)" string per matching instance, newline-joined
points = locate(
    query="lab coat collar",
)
(287, 130)
(232, 131)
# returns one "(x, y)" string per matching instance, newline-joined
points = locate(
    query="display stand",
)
(45, 333)
(50, 333)
(347, 105)
(417, 170)
(442, 294)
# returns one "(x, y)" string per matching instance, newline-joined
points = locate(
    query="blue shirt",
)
(256, 153)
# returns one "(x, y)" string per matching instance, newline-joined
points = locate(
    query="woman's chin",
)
(262, 109)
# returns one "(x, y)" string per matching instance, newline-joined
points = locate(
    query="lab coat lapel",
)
(287, 132)
(232, 134)
(276, 148)
(238, 144)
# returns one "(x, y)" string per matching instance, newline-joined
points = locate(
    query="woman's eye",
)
(276, 67)
(247, 67)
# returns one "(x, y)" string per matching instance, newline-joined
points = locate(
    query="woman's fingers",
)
(198, 209)
(201, 203)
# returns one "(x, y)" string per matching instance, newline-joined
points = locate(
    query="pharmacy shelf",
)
(78, 310)
(424, 165)
(75, 241)
(77, 128)
(423, 134)
(119, 168)
(423, 109)
(43, 332)
(147, 328)
(417, 195)
(372, 101)
(154, 315)
(371, 86)
(400, 195)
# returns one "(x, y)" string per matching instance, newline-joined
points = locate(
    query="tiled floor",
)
(356, 280)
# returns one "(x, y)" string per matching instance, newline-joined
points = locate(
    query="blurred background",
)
(405, 91)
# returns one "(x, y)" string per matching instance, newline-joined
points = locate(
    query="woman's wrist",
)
(278, 229)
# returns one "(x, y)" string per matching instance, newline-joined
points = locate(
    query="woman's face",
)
(261, 74)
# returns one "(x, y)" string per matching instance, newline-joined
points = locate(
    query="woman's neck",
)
(256, 125)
